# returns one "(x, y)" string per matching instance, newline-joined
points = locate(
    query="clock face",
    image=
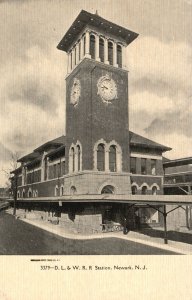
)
(107, 89)
(75, 92)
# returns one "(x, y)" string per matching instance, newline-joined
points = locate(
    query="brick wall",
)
(92, 119)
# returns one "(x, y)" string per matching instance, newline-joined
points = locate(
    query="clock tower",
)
(97, 126)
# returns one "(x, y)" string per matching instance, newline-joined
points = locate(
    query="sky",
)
(32, 85)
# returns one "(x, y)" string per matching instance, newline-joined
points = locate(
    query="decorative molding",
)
(105, 183)
(151, 156)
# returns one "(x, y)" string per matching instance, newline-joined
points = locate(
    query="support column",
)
(87, 44)
(77, 53)
(82, 47)
(165, 225)
(106, 52)
(73, 58)
(97, 48)
(115, 55)
(107, 160)
(124, 57)
(68, 63)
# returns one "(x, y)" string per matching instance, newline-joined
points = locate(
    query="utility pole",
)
(15, 194)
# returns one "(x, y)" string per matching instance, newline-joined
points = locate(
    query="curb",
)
(110, 235)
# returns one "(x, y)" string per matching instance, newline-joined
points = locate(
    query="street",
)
(20, 238)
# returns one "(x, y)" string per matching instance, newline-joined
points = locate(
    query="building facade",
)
(178, 181)
(99, 154)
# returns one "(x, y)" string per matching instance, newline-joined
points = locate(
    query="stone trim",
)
(141, 155)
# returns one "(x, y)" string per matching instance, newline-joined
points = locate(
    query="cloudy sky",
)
(32, 85)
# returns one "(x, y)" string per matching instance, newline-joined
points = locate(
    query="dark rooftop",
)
(35, 154)
(138, 140)
(85, 18)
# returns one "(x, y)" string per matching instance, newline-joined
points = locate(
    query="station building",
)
(99, 154)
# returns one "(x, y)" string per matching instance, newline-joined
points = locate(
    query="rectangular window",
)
(54, 171)
(143, 166)
(63, 168)
(153, 167)
(58, 170)
(133, 165)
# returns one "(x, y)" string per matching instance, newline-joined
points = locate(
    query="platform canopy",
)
(111, 198)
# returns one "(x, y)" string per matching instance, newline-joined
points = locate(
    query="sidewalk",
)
(138, 237)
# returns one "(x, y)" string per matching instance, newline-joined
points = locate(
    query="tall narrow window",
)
(101, 49)
(54, 171)
(112, 159)
(133, 165)
(92, 46)
(119, 56)
(75, 56)
(58, 170)
(101, 157)
(144, 190)
(71, 60)
(154, 190)
(110, 53)
(73, 159)
(79, 157)
(45, 171)
(79, 45)
(143, 166)
(84, 43)
(134, 190)
(63, 168)
(153, 166)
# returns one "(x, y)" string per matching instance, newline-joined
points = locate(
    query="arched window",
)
(62, 191)
(110, 53)
(92, 46)
(108, 189)
(73, 159)
(134, 190)
(56, 191)
(73, 190)
(23, 193)
(112, 159)
(78, 158)
(154, 190)
(29, 193)
(18, 194)
(101, 49)
(119, 56)
(101, 157)
(36, 193)
(144, 190)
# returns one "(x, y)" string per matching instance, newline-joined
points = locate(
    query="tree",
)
(12, 178)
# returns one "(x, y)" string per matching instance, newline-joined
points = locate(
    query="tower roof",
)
(85, 18)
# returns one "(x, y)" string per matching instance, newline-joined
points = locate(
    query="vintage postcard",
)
(95, 144)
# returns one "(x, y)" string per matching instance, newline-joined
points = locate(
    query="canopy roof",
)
(112, 198)
(178, 162)
(85, 18)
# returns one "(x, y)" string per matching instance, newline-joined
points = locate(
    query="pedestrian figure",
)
(125, 226)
